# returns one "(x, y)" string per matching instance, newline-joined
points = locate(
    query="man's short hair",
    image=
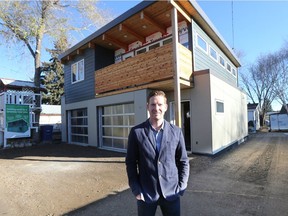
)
(156, 93)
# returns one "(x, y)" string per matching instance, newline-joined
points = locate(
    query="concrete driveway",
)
(249, 179)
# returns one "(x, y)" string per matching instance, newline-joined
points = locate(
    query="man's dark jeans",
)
(168, 208)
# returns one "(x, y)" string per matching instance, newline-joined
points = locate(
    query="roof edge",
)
(214, 29)
(111, 24)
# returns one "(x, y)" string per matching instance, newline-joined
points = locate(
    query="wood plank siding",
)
(147, 70)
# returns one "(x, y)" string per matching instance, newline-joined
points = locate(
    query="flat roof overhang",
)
(143, 20)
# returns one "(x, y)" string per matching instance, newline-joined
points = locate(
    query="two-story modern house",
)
(166, 45)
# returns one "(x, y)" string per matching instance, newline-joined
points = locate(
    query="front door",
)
(185, 120)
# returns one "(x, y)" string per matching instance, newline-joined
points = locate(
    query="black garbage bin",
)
(46, 133)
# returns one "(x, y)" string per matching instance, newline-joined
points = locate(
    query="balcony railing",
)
(147, 70)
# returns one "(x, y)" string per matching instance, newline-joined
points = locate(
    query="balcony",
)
(153, 69)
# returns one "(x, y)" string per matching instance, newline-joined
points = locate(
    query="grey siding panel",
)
(203, 60)
(103, 57)
(85, 89)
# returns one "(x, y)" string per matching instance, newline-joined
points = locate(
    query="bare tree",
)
(281, 86)
(259, 81)
(31, 22)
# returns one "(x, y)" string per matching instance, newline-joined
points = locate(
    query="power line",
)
(232, 11)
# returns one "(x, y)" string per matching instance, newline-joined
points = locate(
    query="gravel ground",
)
(55, 179)
(250, 179)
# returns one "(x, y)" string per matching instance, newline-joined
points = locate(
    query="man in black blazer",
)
(156, 162)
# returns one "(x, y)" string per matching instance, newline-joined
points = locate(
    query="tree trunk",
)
(37, 111)
(39, 37)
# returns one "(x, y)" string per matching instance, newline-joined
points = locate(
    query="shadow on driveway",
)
(58, 150)
(118, 204)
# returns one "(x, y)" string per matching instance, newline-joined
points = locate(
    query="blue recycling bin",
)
(46, 133)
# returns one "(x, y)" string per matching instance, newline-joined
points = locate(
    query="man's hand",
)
(138, 197)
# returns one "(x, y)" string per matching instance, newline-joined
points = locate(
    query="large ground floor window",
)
(78, 126)
(115, 124)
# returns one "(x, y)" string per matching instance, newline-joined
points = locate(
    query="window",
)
(78, 126)
(222, 61)
(117, 120)
(219, 107)
(77, 71)
(154, 46)
(167, 41)
(127, 55)
(141, 51)
(213, 53)
(201, 43)
(233, 71)
(28, 99)
(228, 66)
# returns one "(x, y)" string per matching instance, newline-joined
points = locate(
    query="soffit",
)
(156, 17)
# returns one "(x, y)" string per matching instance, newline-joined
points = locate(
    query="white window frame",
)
(229, 67)
(79, 75)
(127, 55)
(141, 50)
(221, 58)
(199, 45)
(166, 40)
(215, 58)
(216, 107)
(154, 46)
(146, 48)
(234, 72)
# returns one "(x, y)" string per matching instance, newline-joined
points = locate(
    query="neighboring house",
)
(50, 123)
(51, 115)
(279, 121)
(283, 109)
(17, 106)
(166, 45)
(253, 117)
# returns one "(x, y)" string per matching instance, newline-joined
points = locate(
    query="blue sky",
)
(260, 27)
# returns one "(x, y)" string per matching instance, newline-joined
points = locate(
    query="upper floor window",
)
(233, 71)
(228, 66)
(153, 46)
(213, 53)
(141, 51)
(127, 55)
(201, 43)
(166, 41)
(77, 71)
(222, 61)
